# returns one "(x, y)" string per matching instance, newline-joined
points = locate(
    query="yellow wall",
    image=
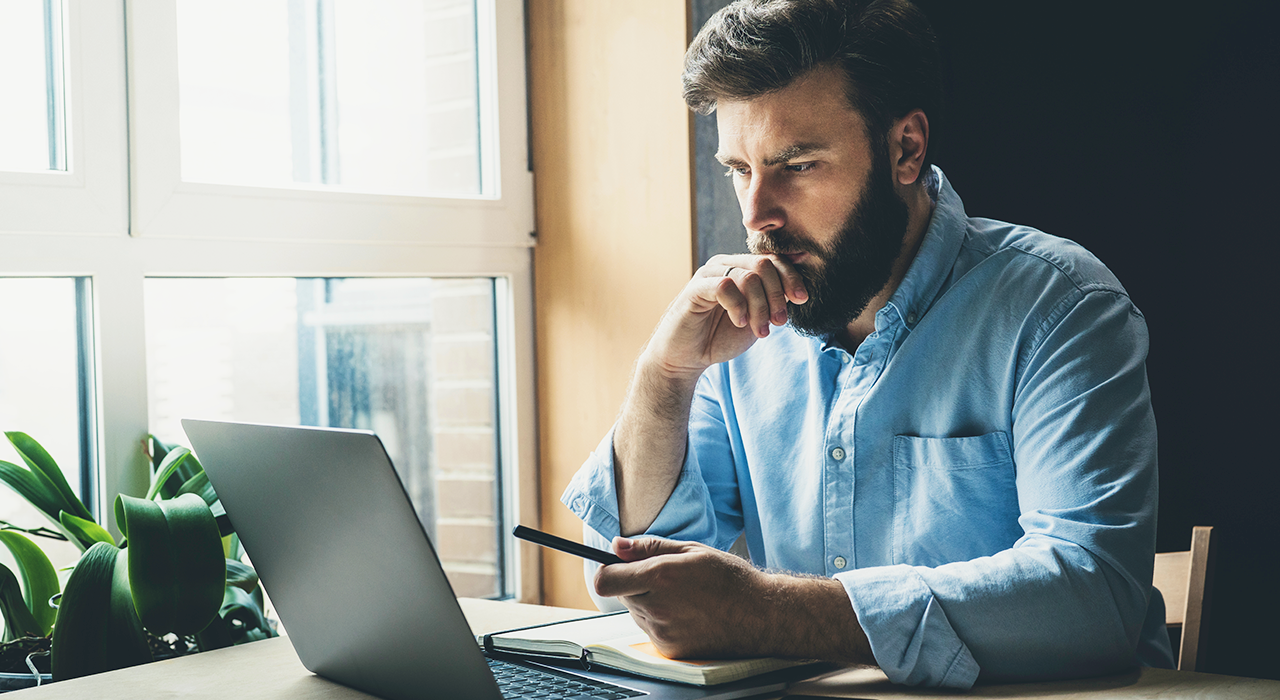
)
(612, 176)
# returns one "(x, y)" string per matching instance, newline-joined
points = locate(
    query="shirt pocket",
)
(955, 498)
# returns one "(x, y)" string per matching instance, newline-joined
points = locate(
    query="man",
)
(934, 431)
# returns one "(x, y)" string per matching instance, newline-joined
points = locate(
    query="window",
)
(45, 381)
(294, 220)
(373, 97)
(412, 359)
(31, 49)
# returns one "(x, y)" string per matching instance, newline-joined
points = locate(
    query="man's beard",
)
(855, 268)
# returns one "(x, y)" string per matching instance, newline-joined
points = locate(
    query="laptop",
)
(356, 580)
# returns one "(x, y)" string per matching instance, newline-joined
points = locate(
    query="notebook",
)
(356, 581)
(614, 640)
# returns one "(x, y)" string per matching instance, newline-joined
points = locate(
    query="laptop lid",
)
(337, 542)
(353, 574)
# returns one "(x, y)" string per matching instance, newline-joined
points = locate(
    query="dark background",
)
(1146, 131)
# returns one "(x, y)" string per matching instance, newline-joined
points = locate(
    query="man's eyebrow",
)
(730, 161)
(790, 153)
(785, 155)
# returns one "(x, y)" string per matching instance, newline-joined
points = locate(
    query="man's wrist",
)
(653, 367)
(666, 393)
(813, 618)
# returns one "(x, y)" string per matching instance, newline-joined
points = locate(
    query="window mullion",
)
(122, 384)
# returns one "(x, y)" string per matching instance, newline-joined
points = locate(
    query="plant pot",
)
(18, 681)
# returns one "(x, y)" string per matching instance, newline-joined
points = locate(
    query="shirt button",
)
(845, 358)
(911, 318)
(837, 454)
(840, 562)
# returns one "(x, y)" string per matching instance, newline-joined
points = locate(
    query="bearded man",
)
(933, 431)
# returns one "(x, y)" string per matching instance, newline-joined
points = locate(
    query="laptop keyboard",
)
(516, 681)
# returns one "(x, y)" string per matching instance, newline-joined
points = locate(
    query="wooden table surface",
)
(270, 670)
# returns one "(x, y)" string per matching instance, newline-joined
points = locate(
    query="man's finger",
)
(772, 273)
(635, 549)
(792, 283)
(619, 580)
(754, 288)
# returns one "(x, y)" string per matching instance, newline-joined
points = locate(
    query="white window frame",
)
(150, 224)
(91, 196)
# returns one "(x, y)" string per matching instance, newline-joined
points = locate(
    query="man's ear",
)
(908, 142)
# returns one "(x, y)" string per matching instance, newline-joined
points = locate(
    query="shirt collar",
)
(934, 259)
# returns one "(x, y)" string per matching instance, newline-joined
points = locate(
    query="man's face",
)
(815, 191)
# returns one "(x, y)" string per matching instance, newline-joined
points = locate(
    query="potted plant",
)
(173, 584)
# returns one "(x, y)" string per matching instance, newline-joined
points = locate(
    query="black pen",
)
(563, 545)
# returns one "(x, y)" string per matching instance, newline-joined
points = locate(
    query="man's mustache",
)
(781, 242)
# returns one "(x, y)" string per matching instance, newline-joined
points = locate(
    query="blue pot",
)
(18, 681)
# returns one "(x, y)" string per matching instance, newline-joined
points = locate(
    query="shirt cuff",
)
(911, 638)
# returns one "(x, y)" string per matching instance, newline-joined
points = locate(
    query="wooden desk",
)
(269, 670)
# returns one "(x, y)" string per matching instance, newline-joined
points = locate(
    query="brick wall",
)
(463, 431)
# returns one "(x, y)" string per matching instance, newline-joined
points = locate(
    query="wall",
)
(1148, 135)
(611, 166)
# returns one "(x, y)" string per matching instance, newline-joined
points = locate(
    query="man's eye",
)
(730, 172)
(801, 167)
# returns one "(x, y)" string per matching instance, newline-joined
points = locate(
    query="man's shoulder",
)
(1020, 250)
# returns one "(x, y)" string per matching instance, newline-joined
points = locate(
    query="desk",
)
(269, 670)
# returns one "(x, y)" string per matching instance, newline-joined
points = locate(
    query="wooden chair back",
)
(1184, 579)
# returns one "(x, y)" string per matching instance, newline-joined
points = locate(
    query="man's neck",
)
(919, 213)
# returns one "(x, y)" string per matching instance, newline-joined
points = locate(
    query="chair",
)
(1185, 579)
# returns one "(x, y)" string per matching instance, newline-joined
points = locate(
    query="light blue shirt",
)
(980, 474)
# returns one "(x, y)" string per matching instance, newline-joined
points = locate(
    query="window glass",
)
(411, 359)
(376, 97)
(31, 132)
(40, 387)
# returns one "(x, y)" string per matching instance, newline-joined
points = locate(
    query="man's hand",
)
(699, 602)
(730, 303)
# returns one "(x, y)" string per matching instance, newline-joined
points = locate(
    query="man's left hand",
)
(698, 602)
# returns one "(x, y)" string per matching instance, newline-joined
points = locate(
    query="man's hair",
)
(886, 49)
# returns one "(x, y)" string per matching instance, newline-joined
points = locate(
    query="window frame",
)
(117, 249)
(90, 197)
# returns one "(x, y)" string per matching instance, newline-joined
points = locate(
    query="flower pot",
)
(18, 681)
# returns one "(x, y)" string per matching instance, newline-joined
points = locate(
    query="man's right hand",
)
(729, 304)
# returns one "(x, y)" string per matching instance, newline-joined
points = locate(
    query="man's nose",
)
(761, 207)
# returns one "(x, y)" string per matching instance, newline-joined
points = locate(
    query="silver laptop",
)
(356, 581)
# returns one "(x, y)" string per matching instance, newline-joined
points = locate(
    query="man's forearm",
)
(649, 443)
(812, 618)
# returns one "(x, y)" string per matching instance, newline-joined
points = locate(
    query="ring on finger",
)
(727, 270)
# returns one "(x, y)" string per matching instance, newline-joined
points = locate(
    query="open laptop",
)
(356, 581)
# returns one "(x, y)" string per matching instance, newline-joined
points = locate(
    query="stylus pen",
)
(560, 543)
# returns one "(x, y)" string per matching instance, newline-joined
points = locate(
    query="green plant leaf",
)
(189, 467)
(98, 629)
(39, 493)
(225, 528)
(159, 450)
(241, 575)
(86, 531)
(172, 462)
(18, 621)
(49, 473)
(200, 486)
(176, 568)
(243, 618)
(25, 484)
(39, 580)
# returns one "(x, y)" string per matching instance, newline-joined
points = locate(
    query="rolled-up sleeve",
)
(1070, 597)
(703, 506)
